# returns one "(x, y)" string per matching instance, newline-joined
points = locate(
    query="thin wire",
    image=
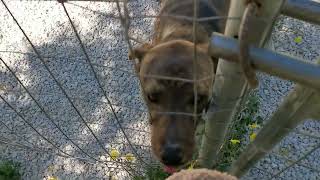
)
(180, 17)
(57, 82)
(17, 52)
(264, 171)
(125, 22)
(50, 151)
(293, 161)
(14, 133)
(99, 83)
(157, 112)
(150, 75)
(33, 148)
(303, 133)
(42, 136)
(194, 60)
(43, 110)
(31, 126)
(117, 143)
(296, 162)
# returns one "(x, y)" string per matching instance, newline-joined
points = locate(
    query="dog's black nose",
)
(172, 155)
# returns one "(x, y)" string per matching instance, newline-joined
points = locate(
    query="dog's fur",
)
(201, 174)
(171, 54)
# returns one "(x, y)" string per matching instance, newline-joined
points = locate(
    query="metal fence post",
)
(217, 123)
(300, 104)
(229, 85)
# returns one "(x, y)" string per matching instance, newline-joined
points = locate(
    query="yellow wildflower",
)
(253, 136)
(114, 154)
(52, 178)
(235, 141)
(298, 39)
(254, 126)
(130, 157)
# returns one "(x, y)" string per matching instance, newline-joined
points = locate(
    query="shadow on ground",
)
(64, 57)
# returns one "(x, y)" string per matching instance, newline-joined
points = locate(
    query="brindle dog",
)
(171, 55)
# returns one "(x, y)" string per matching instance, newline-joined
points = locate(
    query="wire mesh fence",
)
(71, 99)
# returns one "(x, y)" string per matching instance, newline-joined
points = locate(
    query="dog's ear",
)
(138, 53)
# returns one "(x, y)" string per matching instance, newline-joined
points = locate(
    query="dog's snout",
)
(172, 155)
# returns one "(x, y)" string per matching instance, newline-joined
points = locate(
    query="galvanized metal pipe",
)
(224, 89)
(306, 10)
(268, 61)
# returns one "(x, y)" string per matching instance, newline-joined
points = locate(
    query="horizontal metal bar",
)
(306, 10)
(268, 61)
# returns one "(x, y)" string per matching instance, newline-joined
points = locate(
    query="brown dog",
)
(171, 55)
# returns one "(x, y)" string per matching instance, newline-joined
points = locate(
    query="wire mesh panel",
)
(71, 104)
(68, 89)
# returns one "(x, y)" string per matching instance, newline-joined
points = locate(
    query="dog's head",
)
(163, 70)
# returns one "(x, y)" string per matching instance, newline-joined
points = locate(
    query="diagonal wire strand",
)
(297, 161)
(125, 24)
(31, 126)
(48, 116)
(44, 111)
(34, 148)
(16, 134)
(99, 83)
(41, 135)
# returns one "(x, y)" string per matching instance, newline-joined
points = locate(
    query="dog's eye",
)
(153, 97)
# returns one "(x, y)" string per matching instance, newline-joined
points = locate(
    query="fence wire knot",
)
(244, 32)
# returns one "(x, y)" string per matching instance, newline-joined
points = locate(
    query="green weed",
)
(9, 171)
(153, 173)
(239, 132)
